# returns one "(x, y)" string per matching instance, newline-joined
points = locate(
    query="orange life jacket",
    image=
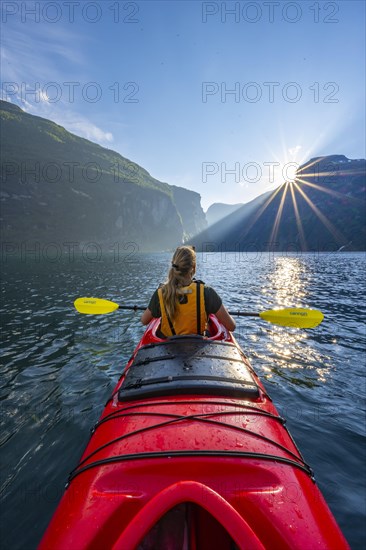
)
(190, 317)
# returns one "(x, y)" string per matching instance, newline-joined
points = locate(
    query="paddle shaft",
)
(291, 317)
(133, 308)
(237, 313)
(244, 314)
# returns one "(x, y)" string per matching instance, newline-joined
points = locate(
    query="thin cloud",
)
(28, 63)
(89, 130)
(32, 57)
(72, 121)
(294, 150)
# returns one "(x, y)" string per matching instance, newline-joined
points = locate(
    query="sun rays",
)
(294, 192)
(298, 220)
(260, 211)
(338, 236)
(317, 207)
(299, 178)
(279, 214)
(325, 189)
(296, 185)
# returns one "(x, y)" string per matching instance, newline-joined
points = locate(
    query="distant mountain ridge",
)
(58, 187)
(324, 210)
(219, 210)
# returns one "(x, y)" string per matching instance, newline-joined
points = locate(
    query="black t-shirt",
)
(213, 302)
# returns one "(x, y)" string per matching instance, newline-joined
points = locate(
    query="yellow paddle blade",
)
(293, 317)
(95, 306)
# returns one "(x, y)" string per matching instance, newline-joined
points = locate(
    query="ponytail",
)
(183, 265)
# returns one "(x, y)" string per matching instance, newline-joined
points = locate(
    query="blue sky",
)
(296, 71)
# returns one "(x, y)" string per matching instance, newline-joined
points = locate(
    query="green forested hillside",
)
(56, 186)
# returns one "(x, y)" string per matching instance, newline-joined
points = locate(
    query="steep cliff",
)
(188, 204)
(57, 187)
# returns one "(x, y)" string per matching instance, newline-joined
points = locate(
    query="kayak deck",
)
(191, 453)
(188, 366)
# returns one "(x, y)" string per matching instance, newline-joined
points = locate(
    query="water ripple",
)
(58, 367)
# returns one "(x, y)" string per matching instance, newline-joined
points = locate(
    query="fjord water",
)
(58, 367)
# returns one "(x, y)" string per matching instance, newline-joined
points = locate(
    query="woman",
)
(184, 303)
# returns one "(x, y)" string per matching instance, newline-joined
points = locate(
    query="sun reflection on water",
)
(287, 284)
(292, 351)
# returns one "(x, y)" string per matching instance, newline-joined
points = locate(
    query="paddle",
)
(292, 317)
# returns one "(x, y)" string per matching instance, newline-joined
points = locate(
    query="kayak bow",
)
(190, 452)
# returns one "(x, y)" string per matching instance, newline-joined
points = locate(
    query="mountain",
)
(324, 210)
(58, 188)
(219, 210)
(188, 204)
(215, 235)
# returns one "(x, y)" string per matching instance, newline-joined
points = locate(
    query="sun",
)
(289, 172)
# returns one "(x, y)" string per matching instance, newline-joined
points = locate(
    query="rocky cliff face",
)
(188, 204)
(57, 187)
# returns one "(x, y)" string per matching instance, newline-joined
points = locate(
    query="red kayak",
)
(191, 454)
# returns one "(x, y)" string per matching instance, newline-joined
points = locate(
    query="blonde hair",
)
(183, 266)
